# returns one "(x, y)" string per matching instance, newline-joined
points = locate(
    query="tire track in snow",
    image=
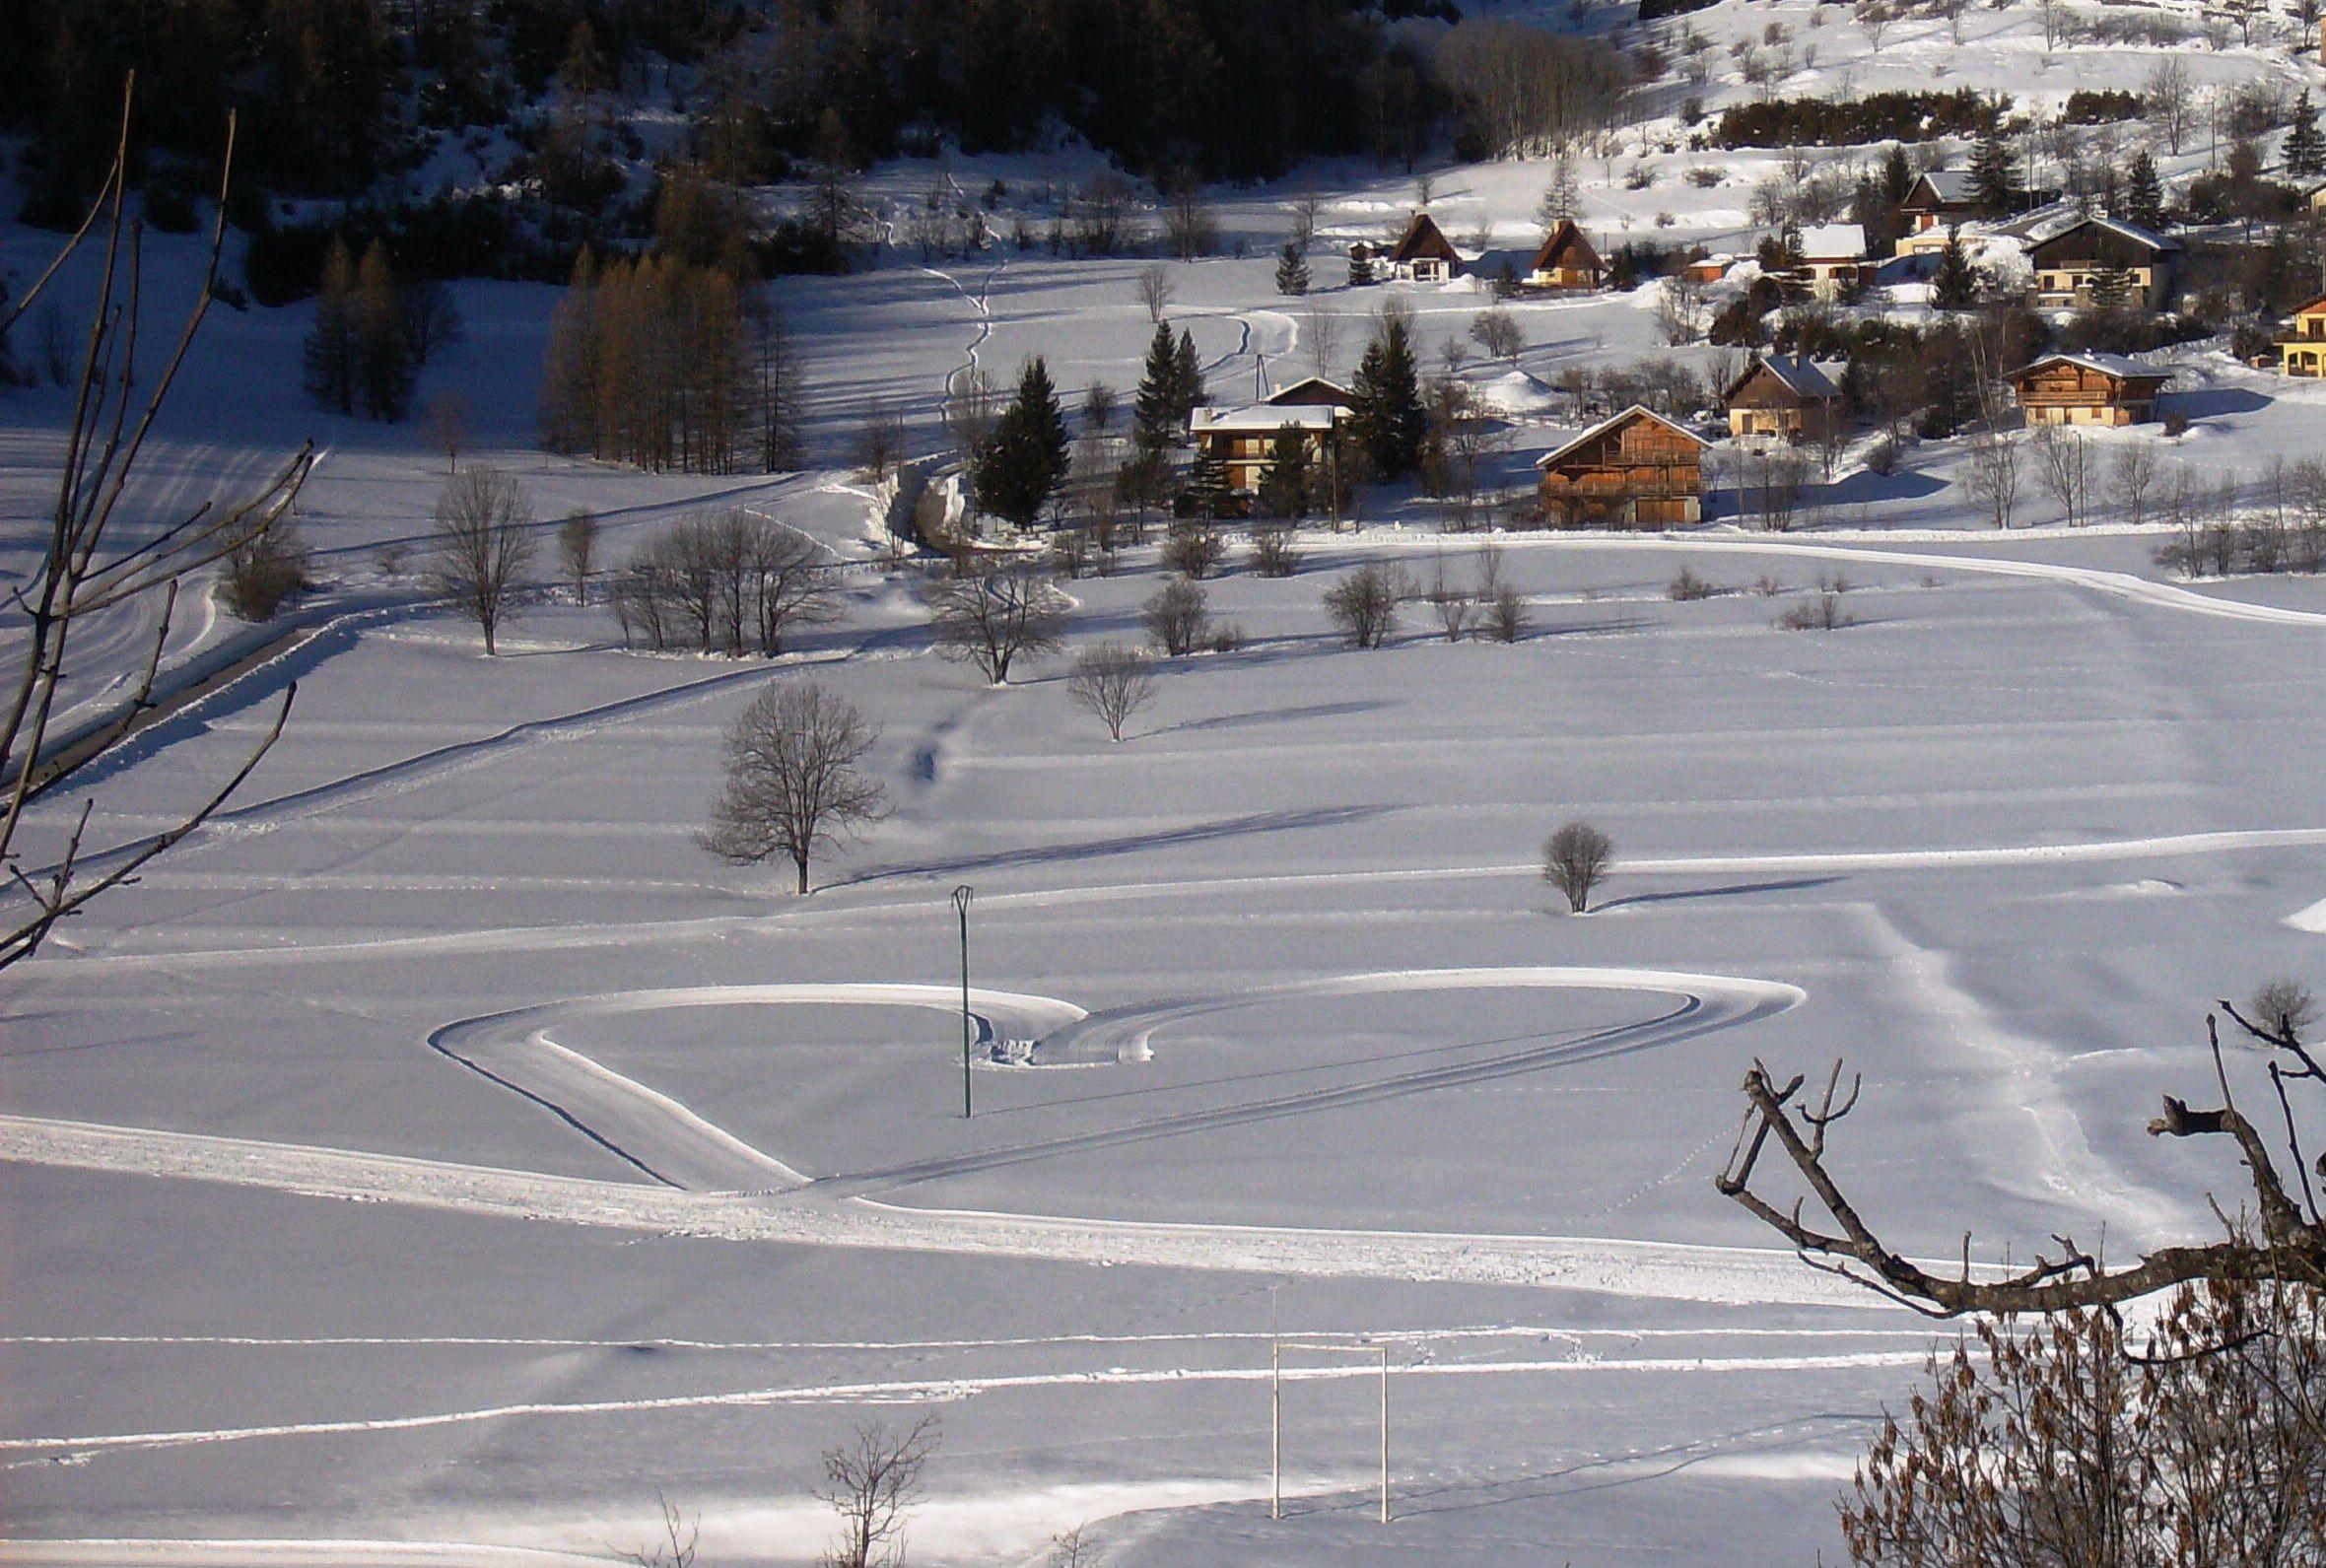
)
(982, 304)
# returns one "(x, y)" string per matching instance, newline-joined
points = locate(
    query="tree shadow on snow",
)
(1732, 890)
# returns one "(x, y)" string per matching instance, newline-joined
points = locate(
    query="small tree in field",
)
(793, 785)
(482, 543)
(577, 550)
(1364, 604)
(1111, 682)
(1177, 617)
(1575, 861)
(993, 620)
(872, 1483)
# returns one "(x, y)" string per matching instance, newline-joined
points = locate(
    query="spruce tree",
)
(1285, 488)
(330, 355)
(2306, 149)
(385, 359)
(1897, 176)
(1155, 418)
(1994, 174)
(1021, 463)
(2144, 192)
(1293, 273)
(1954, 287)
(1186, 375)
(1388, 419)
(1208, 492)
(2111, 284)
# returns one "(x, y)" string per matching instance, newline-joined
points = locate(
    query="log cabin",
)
(1424, 254)
(1566, 261)
(1784, 396)
(2071, 266)
(2088, 389)
(1636, 470)
(2302, 351)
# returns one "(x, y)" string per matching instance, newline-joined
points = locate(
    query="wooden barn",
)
(1566, 261)
(1424, 254)
(1636, 470)
(2303, 350)
(1785, 396)
(2072, 267)
(2088, 389)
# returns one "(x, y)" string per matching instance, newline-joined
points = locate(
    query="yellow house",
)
(2303, 350)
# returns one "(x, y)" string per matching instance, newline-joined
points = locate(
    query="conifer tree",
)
(384, 360)
(1994, 174)
(2306, 149)
(2111, 284)
(1208, 492)
(1156, 419)
(1025, 459)
(1954, 287)
(1285, 488)
(1388, 420)
(1897, 176)
(2144, 192)
(1187, 377)
(329, 356)
(1293, 273)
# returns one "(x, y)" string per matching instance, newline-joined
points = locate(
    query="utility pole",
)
(961, 898)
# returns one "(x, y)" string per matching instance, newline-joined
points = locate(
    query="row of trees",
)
(372, 332)
(669, 363)
(735, 583)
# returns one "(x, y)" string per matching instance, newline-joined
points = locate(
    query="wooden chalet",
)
(1244, 439)
(1566, 261)
(1313, 391)
(1939, 198)
(2303, 349)
(1636, 470)
(2070, 264)
(1424, 254)
(1708, 269)
(2088, 389)
(1833, 260)
(1784, 396)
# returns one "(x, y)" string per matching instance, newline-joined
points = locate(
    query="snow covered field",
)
(440, 1153)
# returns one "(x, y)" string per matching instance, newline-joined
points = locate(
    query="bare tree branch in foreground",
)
(84, 573)
(2288, 1243)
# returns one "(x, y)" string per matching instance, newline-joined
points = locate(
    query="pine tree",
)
(1994, 174)
(2111, 284)
(1388, 419)
(329, 356)
(1025, 459)
(2306, 149)
(1293, 273)
(2144, 192)
(385, 359)
(1562, 198)
(1954, 287)
(1186, 376)
(1285, 488)
(1155, 418)
(1897, 176)
(1208, 492)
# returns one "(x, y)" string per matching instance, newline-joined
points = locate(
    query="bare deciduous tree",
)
(1506, 618)
(994, 619)
(1177, 617)
(872, 1484)
(1273, 553)
(2132, 476)
(1190, 227)
(2064, 460)
(1155, 289)
(677, 1547)
(793, 785)
(84, 573)
(1993, 478)
(1498, 333)
(2171, 102)
(1453, 604)
(1575, 861)
(482, 543)
(1111, 682)
(880, 443)
(1364, 603)
(1320, 337)
(577, 550)
(447, 416)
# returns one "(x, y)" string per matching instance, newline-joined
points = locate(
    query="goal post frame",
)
(1368, 1348)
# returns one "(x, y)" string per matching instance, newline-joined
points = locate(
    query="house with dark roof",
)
(1636, 470)
(1424, 254)
(1939, 198)
(1566, 261)
(1785, 396)
(1313, 390)
(2078, 266)
(2088, 389)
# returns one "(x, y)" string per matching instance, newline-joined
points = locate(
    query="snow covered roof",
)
(2121, 365)
(1265, 418)
(2146, 239)
(1834, 241)
(1635, 411)
(1803, 377)
(1305, 390)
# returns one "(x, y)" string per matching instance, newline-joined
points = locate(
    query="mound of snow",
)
(1517, 393)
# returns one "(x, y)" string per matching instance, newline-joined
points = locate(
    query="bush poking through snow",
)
(264, 567)
(1821, 613)
(1274, 553)
(1687, 587)
(1193, 550)
(1178, 618)
(1111, 683)
(1575, 861)
(1506, 616)
(2284, 1007)
(792, 786)
(1364, 604)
